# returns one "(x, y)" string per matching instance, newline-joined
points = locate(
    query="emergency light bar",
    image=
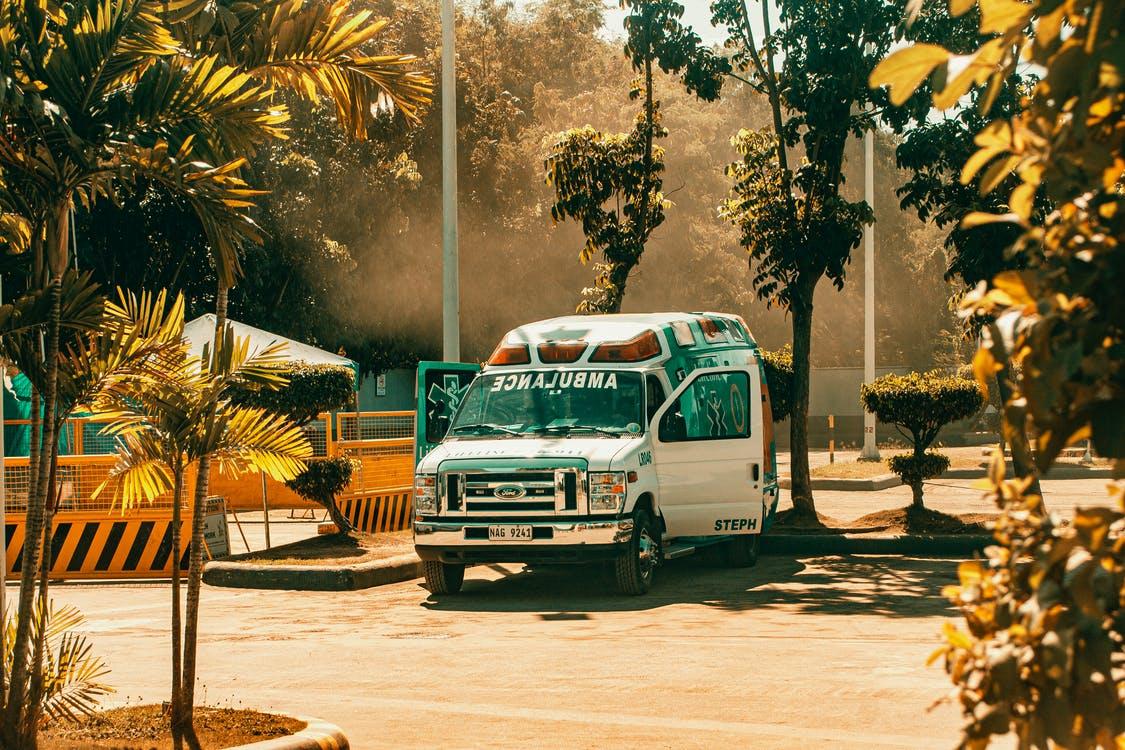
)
(645, 346)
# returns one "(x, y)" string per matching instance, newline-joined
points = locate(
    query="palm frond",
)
(318, 50)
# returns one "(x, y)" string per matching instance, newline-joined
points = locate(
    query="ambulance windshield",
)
(553, 402)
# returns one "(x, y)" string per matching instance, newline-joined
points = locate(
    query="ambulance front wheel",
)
(742, 551)
(443, 578)
(635, 567)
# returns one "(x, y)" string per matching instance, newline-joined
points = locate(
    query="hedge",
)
(779, 377)
(311, 390)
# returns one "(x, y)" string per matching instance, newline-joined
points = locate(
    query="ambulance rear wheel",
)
(635, 568)
(443, 578)
(742, 551)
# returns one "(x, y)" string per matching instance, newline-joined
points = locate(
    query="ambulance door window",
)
(713, 407)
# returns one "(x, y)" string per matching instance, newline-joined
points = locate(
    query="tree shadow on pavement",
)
(883, 585)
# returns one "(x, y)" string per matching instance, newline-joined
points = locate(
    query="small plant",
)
(920, 404)
(68, 685)
(311, 390)
(323, 481)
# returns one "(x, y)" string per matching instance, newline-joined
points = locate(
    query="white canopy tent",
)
(201, 332)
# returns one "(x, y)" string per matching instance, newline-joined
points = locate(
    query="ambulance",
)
(624, 439)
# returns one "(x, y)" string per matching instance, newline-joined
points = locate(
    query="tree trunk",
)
(1022, 465)
(35, 696)
(916, 491)
(801, 492)
(195, 569)
(176, 719)
(16, 710)
(343, 525)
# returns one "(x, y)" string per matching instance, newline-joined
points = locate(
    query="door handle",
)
(754, 471)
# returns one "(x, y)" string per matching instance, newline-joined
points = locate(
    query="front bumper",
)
(555, 541)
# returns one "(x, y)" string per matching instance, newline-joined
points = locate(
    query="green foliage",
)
(779, 378)
(71, 674)
(324, 479)
(602, 182)
(914, 469)
(309, 390)
(589, 168)
(921, 403)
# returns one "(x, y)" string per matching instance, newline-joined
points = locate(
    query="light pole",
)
(870, 449)
(451, 298)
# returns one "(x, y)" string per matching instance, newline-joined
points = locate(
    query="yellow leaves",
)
(985, 368)
(975, 69)
(970, 572)
(955, 637)
(1022, 200)
(961, 7)
(905, 70)
(999, 16)
(1014, 285)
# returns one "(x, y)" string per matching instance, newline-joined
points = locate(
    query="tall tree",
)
(793, 218)
(590, 170)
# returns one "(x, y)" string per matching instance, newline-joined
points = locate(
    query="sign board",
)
(216, 535)
(381, 385)
(440, 388)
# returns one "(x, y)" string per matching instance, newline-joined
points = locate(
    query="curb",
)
(1056, 472)
(868, 484)
(242, 575)
(866, 544)
(318, 735)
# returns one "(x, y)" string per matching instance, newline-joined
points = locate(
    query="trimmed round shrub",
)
(779, 378)
(311, 390)
(919, 405)
(322, 481)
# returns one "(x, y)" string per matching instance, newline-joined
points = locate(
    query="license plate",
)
(509, 533)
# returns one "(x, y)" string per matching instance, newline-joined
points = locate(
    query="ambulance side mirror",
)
(673, 426)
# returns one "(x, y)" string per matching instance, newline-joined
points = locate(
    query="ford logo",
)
(509, 492)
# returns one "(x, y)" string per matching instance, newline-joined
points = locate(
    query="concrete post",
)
(451, 300)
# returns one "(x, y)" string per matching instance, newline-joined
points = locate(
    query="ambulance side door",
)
(708, 454)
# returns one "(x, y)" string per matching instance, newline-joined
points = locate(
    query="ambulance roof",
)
(680, 334)
(597, 329)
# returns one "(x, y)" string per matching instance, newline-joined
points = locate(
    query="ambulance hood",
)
(598, 452)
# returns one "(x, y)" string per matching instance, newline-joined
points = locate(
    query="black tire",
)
(443, 578)
(635, 568)
(742, 551)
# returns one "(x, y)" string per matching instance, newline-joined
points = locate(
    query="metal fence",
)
(382, 443)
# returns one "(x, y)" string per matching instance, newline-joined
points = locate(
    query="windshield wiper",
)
(568, 428)
(485, 426)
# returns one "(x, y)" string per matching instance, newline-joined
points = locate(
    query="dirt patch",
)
(851, 470)
(335, 549)
(924, 521)
(146, 728)
(894, 521)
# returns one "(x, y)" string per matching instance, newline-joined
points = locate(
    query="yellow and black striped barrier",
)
(99, 545)
(379, 511)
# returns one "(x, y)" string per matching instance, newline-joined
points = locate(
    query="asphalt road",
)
(820, 651)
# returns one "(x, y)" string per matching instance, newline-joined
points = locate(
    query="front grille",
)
(536, 492)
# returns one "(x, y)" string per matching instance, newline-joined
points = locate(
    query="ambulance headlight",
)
(607, 491)
(425, 494)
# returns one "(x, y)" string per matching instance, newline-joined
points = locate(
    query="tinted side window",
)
(714, 407)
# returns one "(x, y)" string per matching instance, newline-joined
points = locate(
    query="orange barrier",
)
(385, 511)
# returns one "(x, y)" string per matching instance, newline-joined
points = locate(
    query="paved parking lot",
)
(821, 650)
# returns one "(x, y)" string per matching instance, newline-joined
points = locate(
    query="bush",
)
(322, 481)
(921, 404)
(916, 469)
(311, 390)
(779, 378)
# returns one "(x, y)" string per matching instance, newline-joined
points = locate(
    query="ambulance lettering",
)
(735, 524)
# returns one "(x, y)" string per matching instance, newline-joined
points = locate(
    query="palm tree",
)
(316, 49)
(164, 428)
(97, 96)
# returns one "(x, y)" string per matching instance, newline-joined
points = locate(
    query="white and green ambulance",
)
(629, 439)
